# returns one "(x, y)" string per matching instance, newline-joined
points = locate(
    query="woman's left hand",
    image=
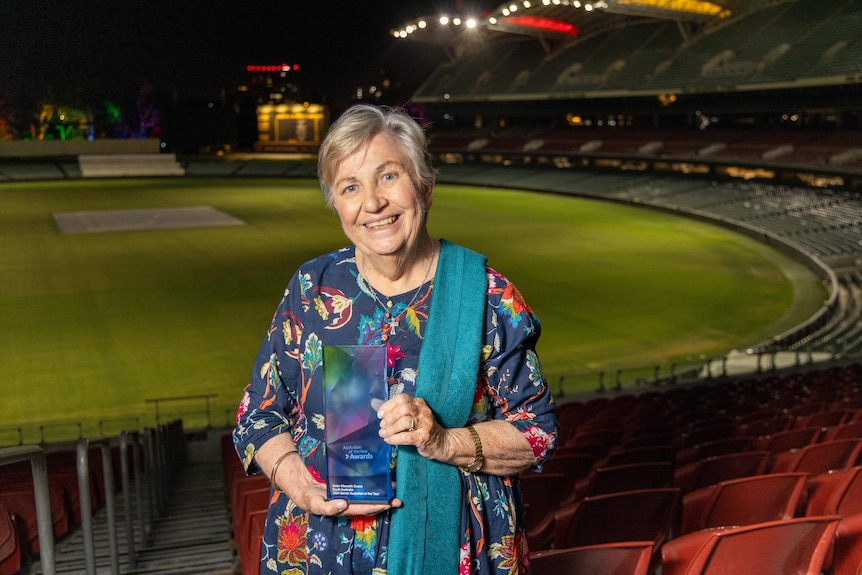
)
(407, 420)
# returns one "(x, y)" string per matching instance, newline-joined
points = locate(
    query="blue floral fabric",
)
(327, 302)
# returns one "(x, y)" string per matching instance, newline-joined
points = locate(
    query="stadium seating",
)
(127, 165)
(628, 558)
(744, 501)
(837, 492)
(610, 518)
(819, 457)
(628, 477)
(847, 555)
(20, 500)
(251, 541)
(10, 544)
(788, 439)
(849, 430)
(639, 455)
(798, 545)
(712, 470)
(714, 448)
(543, 494)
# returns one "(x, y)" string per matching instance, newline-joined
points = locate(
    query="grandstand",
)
(638, 74)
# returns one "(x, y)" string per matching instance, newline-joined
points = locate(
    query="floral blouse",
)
(327, 302)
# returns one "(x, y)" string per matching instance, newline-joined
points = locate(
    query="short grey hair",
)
(356, 126)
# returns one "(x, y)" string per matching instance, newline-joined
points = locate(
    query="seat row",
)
(800, 545)
(248, 500)
(662, 467)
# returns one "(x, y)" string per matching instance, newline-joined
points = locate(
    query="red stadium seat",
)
(849, 430)
(788, 439)
(642, 515)
(791, 546)
(735, 444)
(10, 544)
(543, 493)
(629, 477)
(768, 426)
(704, 434)
(22, 502)
(744, 501)
(573, 466)
(829, 418)
(250, 542)
(819, 457)
(712, 470)
(847, 556)
(657, 439)
(638, 455)
(837, 492)
(628, 558)
(245, 483)
(247, 503)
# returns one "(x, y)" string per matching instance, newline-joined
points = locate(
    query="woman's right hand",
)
(299, 485)
(313, 499)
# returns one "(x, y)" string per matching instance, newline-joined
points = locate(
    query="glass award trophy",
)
(357, 458)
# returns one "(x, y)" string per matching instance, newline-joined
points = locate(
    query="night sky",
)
(197, 48)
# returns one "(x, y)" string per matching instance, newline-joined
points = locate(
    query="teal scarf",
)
(425, 533)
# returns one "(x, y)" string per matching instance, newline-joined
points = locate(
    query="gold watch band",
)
(479, 457)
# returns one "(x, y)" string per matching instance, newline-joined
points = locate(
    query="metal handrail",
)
(83, 467)
(157, 401)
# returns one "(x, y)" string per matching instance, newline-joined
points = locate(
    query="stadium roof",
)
(559, 22)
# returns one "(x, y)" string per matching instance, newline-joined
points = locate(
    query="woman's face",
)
(381, 212)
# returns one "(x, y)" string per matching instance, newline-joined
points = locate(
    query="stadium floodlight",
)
(422, 24)
(444, 20)
(471, 23)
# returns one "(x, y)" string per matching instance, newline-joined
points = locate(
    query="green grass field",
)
(94, 325)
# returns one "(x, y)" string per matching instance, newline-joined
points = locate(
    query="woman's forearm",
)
(505, 449)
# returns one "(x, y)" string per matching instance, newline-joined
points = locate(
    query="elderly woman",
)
(467, 408)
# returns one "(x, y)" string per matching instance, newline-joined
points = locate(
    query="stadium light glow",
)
(690, 6)
(540, 23)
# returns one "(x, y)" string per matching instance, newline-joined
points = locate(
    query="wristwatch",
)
(479, 458)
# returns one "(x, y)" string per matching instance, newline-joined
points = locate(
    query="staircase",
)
(189, 532)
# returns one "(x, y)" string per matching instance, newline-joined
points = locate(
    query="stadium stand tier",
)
(780, 43)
